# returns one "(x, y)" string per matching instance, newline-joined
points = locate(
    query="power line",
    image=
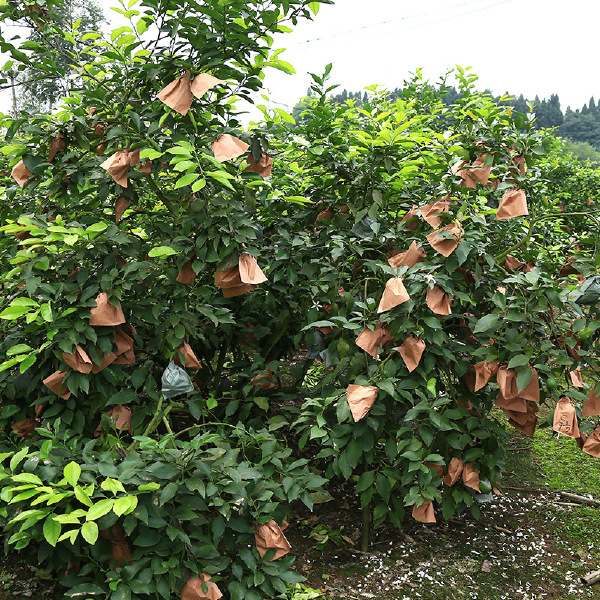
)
(388, 21)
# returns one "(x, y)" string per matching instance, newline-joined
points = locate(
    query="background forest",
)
(579, 127)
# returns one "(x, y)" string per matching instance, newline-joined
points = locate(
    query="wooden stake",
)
(580, 499)
(366, 526)
(591, 578)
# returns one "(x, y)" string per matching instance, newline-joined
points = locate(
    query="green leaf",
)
(198, 185)
(112, 485)
(486, 323)
(72, 472)
(18, 349)
(186, 180)
(27, 478)
(161, 252)
(365, 481)
(122, 505)
(17, 458)
(523, 378)
(82, 496)
(145, 487)
(46, 312)
(431, 387)
(518, 361)
(100, 509)
(51, 530)
(285, 117)
(89, 532)
(28, 362)
(150, 153)
(85, 589)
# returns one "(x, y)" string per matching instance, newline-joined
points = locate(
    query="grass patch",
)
(565, 467)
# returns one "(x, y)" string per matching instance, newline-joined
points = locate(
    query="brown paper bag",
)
(134, 160)
(565, 418)
(394, 294)
(270, 536)
(105, 314)
(185, 357)
(479, 172)
(532, 390)
(470, 477)
(484, 371)
(25, 427)
(361, 399)
(226, 147)
(424, 512)
(121, 551)
(468, 405)
(439, 469)
(230, 283)
(125, 354)
(415, 254)
(117, 166)
(202, 83)
(250, 272)
(568, 268)
(121, 206)
(21, 174)
(510, 262)
(127, 358)
(438, 301)
(324, 215)
(58, 144)
(446, 246)
(78, 360)
(469, 379)
(107, 360)
(582, 439)
(431, 211)
(591, 407)
(192, 590)
(122, 416)
(262, 167)
(523, 422)
(410, 218)
(576, 378)
(507, 382)
(519, 161)
(371, 341)
(411, 352)
(515, 404)
(512, 204)
(178, 94)
(592, 444)
(264, 381)
(455, 469)
(461, 168)
(187, 275)
(54, 383)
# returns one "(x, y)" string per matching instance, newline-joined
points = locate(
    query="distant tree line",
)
(580, 126)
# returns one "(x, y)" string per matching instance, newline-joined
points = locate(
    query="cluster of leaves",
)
(186, 504)
(179, 504)
(365, 167)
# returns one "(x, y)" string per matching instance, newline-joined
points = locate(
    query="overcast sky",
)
(521, 46)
